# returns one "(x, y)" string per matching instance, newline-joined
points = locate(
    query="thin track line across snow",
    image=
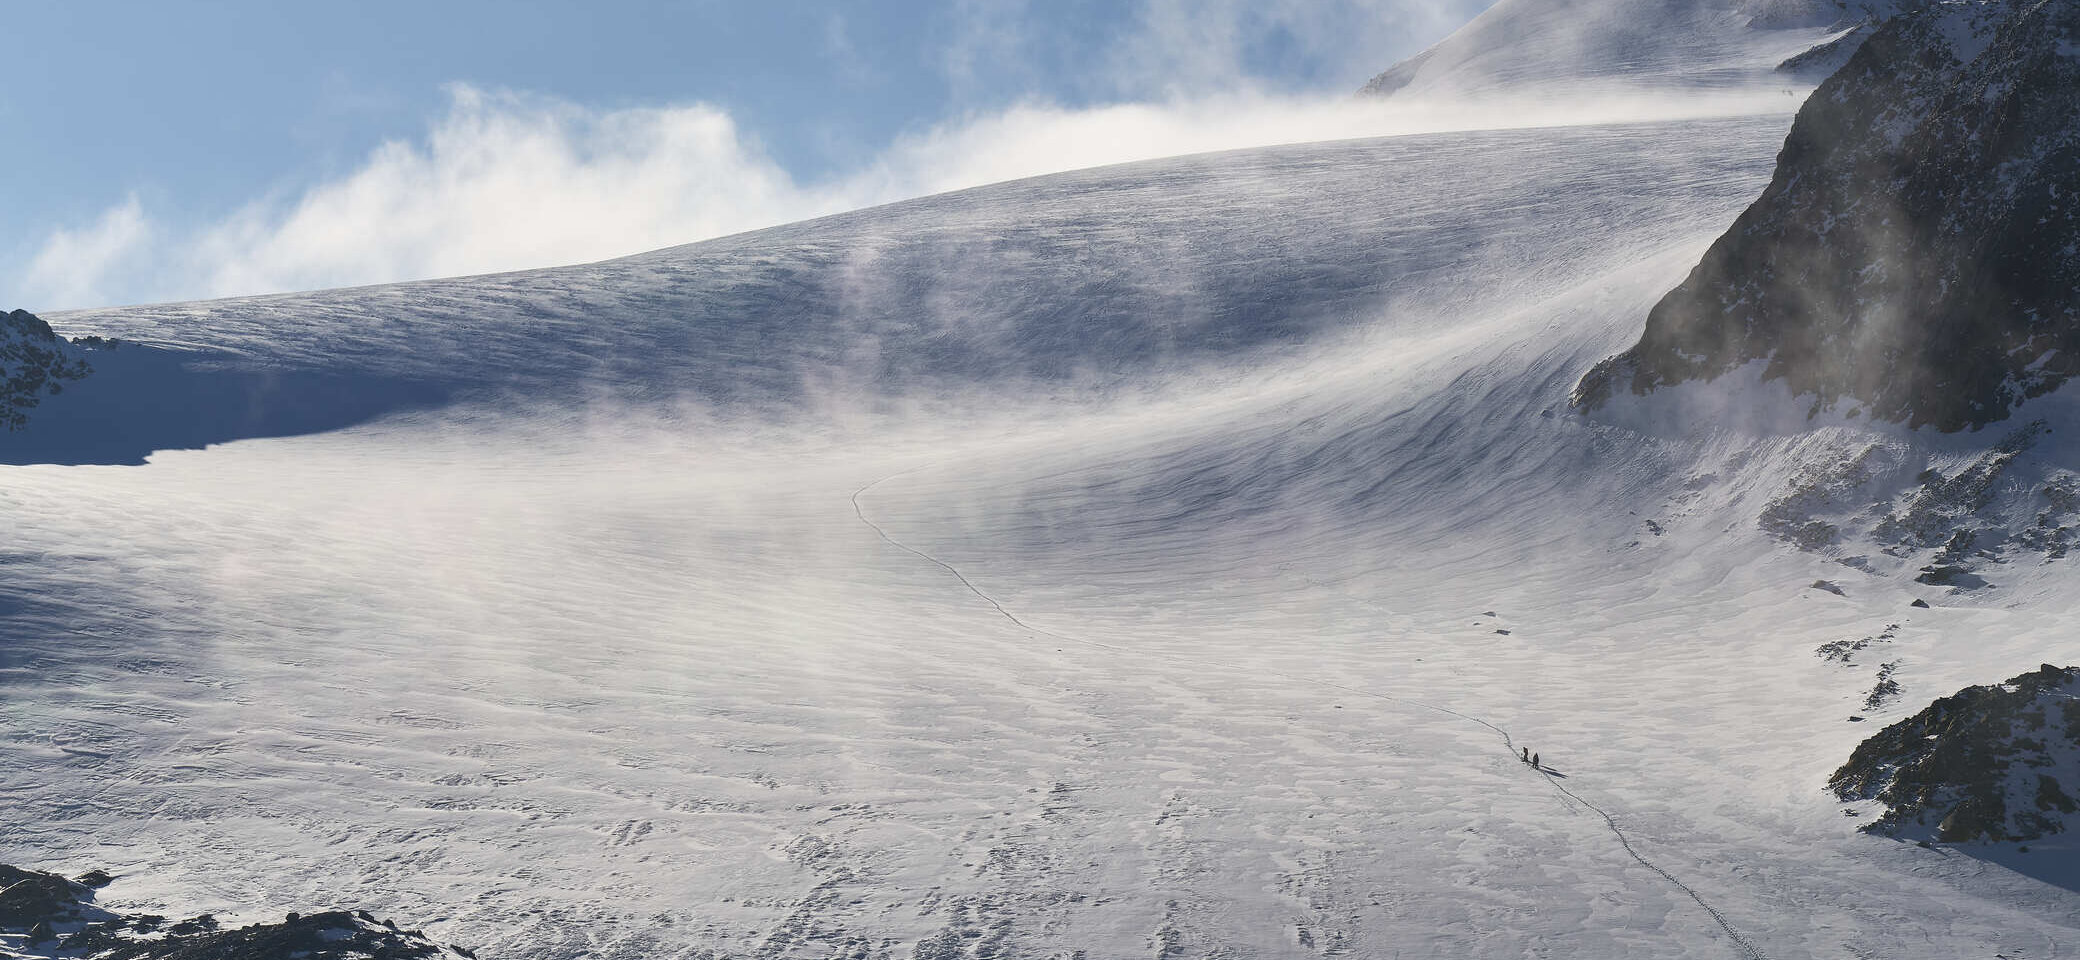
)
(1746, 947)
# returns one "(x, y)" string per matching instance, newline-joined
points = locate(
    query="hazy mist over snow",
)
(1169, 553)
(606, 177)
(506, 180)
(1148, 524)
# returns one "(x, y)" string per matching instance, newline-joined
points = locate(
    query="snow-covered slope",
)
(1168, 559)
(1080, 286)
(1173, 559)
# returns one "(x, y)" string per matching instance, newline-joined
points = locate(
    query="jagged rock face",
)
(30, 897)
(1917, 253)
(34, 363)
(1993, 763)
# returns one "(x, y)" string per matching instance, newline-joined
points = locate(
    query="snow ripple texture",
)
(1509, 745)
(604, 662)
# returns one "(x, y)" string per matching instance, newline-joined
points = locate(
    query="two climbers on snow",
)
(1531, 758)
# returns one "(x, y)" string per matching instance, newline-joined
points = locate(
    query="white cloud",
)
(72, 264)
(505, 182)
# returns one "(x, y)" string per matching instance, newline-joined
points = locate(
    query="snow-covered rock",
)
(44, 915)
(34, 363)
(1917, 255)
(1947, 518)
(1994, 763)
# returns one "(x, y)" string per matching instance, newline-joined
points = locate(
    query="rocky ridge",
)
(1859, 19)
(36, 363)
(1916, 257)
(1991, 764)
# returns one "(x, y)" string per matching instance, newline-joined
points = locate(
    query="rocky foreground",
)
(1916, 257)
(1998, 763)
(46, 915)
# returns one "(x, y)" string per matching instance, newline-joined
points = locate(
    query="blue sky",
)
(166, 151)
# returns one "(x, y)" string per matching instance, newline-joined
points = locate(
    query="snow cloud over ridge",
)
(507, 181)
(73, 265)
(504, 181)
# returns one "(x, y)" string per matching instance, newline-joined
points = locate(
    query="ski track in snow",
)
(1509, 746)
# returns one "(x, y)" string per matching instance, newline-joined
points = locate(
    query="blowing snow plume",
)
(1175, 559)
(1917, 255)
(1693, 46)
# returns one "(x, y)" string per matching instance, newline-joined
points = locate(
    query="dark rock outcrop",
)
(29, 898)
(1917, 254)
(1990, 764)
(334, 935)
(46, 915)
(34, 363)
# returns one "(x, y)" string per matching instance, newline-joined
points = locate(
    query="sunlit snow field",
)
(1115, 562)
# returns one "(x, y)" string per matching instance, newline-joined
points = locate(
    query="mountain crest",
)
(1917, 254)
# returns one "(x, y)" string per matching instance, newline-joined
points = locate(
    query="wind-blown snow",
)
(1563, 47)
(1159, 560)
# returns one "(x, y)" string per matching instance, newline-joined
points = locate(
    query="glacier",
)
(1167, 559)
